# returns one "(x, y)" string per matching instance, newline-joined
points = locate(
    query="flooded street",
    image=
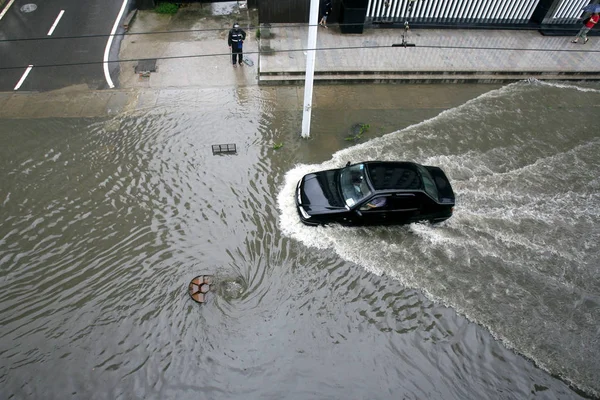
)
(106, 220)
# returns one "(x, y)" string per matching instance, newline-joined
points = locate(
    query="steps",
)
(346, 77)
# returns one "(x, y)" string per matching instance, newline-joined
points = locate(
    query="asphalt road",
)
(51, 37)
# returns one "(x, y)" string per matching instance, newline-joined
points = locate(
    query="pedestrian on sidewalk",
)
(325, 10)
(587, 25)
(236, 43)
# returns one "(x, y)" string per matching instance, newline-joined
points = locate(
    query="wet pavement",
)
(439, 55)
(196, 55)
(200, 57)
(191, 53)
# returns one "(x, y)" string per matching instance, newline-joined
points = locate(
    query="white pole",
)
(310, 66)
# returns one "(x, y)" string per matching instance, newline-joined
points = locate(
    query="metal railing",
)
(485, 12)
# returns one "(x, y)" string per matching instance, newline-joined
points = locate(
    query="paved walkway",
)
(446, 55)
(439, 55)
(196, 57)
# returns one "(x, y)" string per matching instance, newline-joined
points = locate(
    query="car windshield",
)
(428, 183)
(353, 183)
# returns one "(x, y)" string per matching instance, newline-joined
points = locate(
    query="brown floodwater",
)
(106, 220)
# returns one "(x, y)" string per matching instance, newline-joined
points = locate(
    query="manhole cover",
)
(199, 287)
(29, 8)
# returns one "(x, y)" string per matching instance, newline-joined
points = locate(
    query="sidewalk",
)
(447, 55)
(201, 58)
(197, 55)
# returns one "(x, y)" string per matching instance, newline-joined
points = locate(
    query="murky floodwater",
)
(105, 222)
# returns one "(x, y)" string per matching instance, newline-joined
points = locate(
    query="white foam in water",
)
(510, 210)
(319, 237)
(567, 86)
(289, 220)
(328, 237)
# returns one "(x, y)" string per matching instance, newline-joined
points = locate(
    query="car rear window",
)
(428, 182)
(397, 176)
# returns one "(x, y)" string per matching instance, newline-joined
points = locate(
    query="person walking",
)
(587, 25)
(325, 10)
(236, 43)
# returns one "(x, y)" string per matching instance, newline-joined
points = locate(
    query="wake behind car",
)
(375, 193)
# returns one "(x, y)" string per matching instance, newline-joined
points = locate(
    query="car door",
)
(403, 208)
(374, 211)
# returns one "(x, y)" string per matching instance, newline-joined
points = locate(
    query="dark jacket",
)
(236, 38)
(325, 7)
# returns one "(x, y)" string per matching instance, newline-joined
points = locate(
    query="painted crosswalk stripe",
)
(60, 14)
(6, 8)
(27, 71)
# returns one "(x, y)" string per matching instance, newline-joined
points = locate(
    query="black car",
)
(375, 193)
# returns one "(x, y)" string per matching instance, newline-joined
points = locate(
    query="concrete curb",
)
(350, 77)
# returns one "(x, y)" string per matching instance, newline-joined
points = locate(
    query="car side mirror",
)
(348, 163)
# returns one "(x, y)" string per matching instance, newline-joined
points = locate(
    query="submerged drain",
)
(229, 148)
(199, 287)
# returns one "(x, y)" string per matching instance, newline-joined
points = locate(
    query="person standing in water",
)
(236, 42)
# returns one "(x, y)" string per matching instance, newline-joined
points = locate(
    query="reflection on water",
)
(104, 223)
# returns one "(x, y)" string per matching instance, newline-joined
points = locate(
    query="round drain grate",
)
(199, 287)
(29, 8)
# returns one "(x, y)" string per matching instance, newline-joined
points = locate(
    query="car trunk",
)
(446, 195)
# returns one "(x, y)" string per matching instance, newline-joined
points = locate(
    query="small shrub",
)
(277, 146)
(362, 128)
(258, 33)
(166, 8)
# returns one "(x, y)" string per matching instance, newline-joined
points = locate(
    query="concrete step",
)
(296, 78)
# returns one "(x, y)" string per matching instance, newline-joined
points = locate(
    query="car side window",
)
(377, 203)
(404, 203)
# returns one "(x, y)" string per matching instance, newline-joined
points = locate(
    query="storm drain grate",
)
(224, 148)
(145, 66)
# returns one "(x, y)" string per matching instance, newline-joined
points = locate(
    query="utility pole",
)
(310, 66)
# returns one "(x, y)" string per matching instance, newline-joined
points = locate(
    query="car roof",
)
(394, 175)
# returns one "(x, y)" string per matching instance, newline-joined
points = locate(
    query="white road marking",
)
(6, 8)
(60, 14)
(109, 43)
(27, 71)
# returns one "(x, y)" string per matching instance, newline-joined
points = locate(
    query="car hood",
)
(320, 192)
